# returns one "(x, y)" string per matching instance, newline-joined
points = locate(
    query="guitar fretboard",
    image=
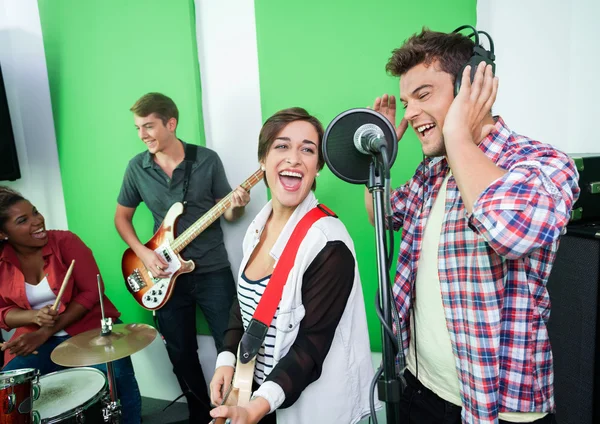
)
(212, 215)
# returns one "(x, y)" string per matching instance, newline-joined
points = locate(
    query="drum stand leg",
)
(112, 411)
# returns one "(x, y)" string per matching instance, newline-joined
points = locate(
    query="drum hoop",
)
(14, 377)
(79, 408)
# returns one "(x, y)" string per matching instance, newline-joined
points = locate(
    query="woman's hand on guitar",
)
(220, 384)
(154, 263)
(44, 317)
(236, 414)
(252, 413)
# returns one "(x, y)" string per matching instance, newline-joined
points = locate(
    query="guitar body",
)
(152, 293)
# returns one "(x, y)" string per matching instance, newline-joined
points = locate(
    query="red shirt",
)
(61, 249)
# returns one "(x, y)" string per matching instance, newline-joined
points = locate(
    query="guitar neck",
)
(212, 215)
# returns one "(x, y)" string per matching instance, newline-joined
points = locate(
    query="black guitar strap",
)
(189, 159)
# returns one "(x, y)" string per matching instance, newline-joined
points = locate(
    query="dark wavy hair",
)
(451, 50)
(8, 197)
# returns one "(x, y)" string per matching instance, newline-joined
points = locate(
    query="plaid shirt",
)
(493, 267)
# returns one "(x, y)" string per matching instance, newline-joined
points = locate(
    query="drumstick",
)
(64, 285)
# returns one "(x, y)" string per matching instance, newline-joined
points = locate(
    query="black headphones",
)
(480, 54)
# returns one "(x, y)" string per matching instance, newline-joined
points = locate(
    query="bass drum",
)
(74, 395)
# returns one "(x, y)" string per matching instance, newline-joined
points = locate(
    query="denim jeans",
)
(213, 292)
(419, 405)
(127, 386)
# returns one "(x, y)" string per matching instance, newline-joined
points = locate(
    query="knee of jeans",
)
(19, 362)
(12, 365)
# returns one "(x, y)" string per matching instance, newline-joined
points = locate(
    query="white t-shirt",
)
(436, 361)
(40, 295)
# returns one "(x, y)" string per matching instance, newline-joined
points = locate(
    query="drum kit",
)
(74, 395)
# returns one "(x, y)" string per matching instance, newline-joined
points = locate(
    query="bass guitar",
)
(150, 292)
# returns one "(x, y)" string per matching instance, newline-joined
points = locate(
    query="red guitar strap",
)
(255, 334)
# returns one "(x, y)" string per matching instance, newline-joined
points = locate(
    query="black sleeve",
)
(235, 329)
(326, 286)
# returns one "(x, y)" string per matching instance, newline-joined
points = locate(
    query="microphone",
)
(369, 139)
(356, 139)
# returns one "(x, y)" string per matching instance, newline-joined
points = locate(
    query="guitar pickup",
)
(166, 255)
(135, 281)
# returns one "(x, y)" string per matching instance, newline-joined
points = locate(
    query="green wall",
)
(330, 56)
(101, 57)
(327, 56)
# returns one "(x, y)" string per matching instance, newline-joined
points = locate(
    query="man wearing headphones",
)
(481, 220)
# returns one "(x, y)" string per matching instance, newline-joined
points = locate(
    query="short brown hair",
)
(276, 123)
(8, 197)
(164, 107)
(452, 51)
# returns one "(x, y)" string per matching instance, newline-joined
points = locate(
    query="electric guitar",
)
(240, 390)
(152, 293)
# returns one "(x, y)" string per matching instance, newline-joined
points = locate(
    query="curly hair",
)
(8, 197)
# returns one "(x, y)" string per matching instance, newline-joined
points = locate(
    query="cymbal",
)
(92, 348)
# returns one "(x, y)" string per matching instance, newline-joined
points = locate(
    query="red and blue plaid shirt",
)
(493, 267)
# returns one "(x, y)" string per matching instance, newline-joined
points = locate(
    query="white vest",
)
(341, 394)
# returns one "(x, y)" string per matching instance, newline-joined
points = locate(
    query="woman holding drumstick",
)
(34, 263)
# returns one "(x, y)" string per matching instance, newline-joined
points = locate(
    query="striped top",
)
(324, 295)
(249, 294)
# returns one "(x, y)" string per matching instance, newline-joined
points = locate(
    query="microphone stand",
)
(388, 385)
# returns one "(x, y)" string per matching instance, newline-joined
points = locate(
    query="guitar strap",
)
(189, 159)
(256, 332)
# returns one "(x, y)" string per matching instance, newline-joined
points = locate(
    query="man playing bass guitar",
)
(157, 177)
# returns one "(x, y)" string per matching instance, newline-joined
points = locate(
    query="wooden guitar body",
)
(241, 389)
(152, 293)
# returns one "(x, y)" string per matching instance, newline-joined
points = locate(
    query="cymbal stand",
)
(112, 411)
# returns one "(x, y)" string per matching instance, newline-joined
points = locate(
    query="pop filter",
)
(341, 143)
